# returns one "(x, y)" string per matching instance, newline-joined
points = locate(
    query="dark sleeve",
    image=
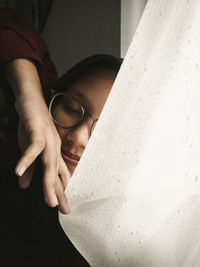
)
(20, 39)
(13, 46)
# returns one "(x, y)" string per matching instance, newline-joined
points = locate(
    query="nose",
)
(79, 135)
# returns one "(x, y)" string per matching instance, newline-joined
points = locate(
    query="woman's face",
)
(91, 91)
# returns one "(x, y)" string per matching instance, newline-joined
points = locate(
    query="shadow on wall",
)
(35, 10)
(77, 29)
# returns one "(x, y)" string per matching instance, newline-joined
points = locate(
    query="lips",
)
(70, 158)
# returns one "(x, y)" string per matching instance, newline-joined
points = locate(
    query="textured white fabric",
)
(135, 193)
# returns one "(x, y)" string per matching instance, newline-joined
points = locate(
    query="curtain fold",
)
(135, 193)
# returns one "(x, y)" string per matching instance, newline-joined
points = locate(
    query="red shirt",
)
(19, 38)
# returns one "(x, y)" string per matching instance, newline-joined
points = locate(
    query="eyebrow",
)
(81, 95)
(85, 101)
(82, 98)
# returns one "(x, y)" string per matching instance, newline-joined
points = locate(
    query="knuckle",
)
(28, 158)
(40, 143)
(49, 185)
(59, 191)
(50, 163)
(64, 176)
(49, 159)
(37, 143)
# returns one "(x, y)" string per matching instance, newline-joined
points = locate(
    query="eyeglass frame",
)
(85, 113)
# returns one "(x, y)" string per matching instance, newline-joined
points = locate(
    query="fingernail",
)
(21, 172)
(67, 210)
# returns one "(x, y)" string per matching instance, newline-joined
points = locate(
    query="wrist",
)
(28, 106)
(23, 78)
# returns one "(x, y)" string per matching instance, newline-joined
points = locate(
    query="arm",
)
(37, 134)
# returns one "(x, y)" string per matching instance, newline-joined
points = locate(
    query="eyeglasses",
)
(67, 112)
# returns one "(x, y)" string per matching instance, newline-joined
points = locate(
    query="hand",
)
(37, 135)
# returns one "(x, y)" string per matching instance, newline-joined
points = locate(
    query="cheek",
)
(100, 100)
(62, 132)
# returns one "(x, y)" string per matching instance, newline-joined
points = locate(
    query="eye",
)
(72, 111)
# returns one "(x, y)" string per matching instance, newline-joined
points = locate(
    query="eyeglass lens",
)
(66, 111)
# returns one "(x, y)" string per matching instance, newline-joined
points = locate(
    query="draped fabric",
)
(135, 193)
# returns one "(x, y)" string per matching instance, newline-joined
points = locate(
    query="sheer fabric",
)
(135, 193)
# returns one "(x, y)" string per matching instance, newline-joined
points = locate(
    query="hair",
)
(87, 66)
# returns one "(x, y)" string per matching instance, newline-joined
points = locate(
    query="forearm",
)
(37, 134)
(23, 78)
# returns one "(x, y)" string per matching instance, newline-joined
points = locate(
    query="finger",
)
(63, 204)
(25, 179)
(49, 184)
(50, 167)
(28, 157)
(63, 173)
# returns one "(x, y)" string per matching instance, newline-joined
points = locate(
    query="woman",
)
(30, 231)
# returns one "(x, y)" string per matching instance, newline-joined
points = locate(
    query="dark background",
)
(73, 29)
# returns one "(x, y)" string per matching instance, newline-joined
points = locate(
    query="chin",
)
(71, 169)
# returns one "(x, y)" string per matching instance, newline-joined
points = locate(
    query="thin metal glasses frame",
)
(83, 109)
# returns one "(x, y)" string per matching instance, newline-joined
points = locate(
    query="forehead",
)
(93, 89)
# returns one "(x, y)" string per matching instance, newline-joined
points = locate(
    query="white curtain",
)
(131, 11)
(135, 193)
